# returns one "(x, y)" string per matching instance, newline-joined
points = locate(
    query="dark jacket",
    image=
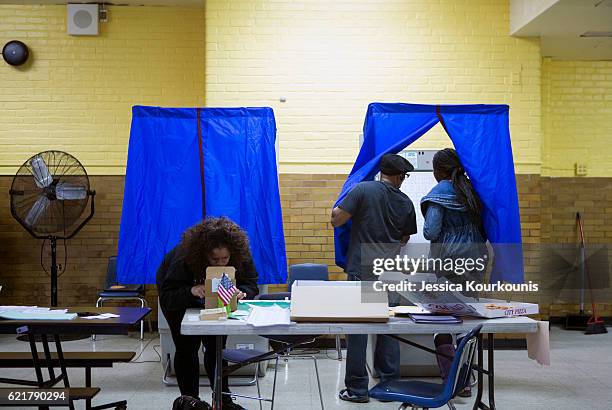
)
(449, 227)
(175, 280)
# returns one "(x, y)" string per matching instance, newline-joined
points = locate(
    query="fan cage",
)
(59, 217)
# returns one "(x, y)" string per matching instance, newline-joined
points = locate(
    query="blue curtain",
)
(481, 136)
(163, 187)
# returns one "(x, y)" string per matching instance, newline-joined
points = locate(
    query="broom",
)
(595, 325)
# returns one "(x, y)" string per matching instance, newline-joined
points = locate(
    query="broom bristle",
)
(595, 326)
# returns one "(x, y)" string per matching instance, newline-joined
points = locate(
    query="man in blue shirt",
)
(380, 214)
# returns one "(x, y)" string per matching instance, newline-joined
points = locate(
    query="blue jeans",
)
(386, 359)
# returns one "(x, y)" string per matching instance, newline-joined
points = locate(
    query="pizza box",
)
(485, 308)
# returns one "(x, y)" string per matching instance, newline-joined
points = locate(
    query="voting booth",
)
(188, 163)
(480, 134)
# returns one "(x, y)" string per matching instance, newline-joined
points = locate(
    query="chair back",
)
(273, 296)
(111, 276)
(461, 368)
(307, 271)
(111, 272)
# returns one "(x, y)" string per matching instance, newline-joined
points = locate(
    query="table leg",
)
(478, 401)
(491, 369)
(88, 384)
(60, 359)
(218, 373)
(62, 363)
(37, 368)
(45, 344)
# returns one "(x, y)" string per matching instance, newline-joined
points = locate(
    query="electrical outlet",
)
(580, 169)
(515, 77)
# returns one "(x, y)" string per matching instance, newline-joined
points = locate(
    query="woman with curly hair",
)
(180, 283)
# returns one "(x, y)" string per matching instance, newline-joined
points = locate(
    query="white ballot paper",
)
(34, 313)
(101, 316)
(268, 316)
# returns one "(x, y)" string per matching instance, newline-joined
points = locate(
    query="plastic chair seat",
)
(105, 294)
(241, 355)
(419, 393)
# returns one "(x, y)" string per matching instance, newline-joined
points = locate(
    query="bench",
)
(86, 360)
(71, 359)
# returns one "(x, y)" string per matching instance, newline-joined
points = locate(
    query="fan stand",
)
(63, 337)
(53, 240)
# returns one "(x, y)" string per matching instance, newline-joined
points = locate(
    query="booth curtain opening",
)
(481, 136)
(180, 159)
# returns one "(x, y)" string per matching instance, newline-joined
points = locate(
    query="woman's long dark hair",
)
(199, 240)
(446, 163)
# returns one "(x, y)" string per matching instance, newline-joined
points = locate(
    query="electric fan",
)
(48, 197)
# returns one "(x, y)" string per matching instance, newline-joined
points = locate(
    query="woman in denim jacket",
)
(453, 225)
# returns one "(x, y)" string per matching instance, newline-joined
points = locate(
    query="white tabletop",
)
(395, 325)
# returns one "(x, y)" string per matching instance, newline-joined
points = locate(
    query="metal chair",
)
(243, 357)
(114, 291)
(290, 342)
(312, 271)
(426, 395)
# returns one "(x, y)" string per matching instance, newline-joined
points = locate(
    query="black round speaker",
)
(15, 52)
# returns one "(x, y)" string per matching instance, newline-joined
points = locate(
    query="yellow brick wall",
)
(76, 93)
(577, 112)
(330, 59)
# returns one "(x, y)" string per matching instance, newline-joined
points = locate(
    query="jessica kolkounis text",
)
(468, 286)
(406, 264)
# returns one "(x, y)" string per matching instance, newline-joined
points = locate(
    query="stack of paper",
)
(435, 319)
(34, 313)
(409, 310)
(268, 316)
(101, 316)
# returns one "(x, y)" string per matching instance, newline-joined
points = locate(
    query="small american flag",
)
(226, 289)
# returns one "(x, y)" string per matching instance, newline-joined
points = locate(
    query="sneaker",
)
(347, 395)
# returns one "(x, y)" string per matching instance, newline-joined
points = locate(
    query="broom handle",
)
(582, 260)
(584, 268)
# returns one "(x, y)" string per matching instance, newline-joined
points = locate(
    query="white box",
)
(335, 301)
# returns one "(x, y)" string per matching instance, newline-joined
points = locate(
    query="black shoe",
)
(347, 395)
(188, 402)
(229, 404)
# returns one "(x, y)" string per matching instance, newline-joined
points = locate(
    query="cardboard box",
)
(213, 314)
(456, 303)
(485, 308)
(336, 301)
(213, 275)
